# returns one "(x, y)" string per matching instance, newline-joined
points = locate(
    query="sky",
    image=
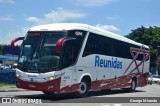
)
(118, 16)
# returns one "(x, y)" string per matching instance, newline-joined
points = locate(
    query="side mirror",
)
(15, 40)
(59, 44)
(15, 65)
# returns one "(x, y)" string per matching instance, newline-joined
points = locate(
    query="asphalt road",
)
(95, 98)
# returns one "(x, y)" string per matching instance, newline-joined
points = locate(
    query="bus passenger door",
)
(69, 56)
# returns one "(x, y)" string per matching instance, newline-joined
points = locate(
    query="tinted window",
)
(68, 54)
(72, 47)
(98, 44)
(38, 53)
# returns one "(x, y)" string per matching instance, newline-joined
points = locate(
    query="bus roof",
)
(78, 26)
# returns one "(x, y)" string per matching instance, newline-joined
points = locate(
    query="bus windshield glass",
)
(38, 53)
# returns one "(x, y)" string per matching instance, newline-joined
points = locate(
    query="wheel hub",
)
(83, 88)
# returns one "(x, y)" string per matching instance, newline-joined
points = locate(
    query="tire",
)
(83, 88)
(132, 86)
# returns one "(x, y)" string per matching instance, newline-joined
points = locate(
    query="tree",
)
(149, 36)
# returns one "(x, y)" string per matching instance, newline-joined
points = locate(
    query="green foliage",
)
(7, 84)
(149, 36)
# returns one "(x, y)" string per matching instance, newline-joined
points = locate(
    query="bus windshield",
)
(38, 53)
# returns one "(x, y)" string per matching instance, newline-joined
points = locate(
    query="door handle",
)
(80, 70)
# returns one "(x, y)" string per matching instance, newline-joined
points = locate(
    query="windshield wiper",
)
(27, 63)
(29, 59)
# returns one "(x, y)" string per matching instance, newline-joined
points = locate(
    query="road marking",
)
(112, 105)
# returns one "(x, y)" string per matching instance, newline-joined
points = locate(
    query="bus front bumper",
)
(49, 86)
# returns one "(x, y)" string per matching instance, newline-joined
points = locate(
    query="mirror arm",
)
(15, 40)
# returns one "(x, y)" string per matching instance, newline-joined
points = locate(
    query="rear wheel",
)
(83, 88)
(132, 86)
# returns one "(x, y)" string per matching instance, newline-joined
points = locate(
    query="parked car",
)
(154, 79)
(5, 66)
(14, 66)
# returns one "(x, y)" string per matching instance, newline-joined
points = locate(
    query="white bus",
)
(71, 57)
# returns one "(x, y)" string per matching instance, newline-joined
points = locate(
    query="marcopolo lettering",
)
(114, 63)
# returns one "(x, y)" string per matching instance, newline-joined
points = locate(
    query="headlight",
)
(50, 78)
(17, 75)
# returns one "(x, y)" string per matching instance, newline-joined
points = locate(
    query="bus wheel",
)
(83, 89)
(133, 85)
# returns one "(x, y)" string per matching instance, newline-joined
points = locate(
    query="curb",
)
(11, 89)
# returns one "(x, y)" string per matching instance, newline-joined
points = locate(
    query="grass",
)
(7, 84)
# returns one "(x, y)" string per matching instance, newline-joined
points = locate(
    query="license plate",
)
(32, 86)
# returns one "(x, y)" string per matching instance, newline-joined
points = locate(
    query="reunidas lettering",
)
(114, 63)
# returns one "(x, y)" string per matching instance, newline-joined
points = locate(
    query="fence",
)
(8, 76)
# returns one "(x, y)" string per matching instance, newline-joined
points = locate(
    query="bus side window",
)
(67, 55)
(70, 53)
(91, 45)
